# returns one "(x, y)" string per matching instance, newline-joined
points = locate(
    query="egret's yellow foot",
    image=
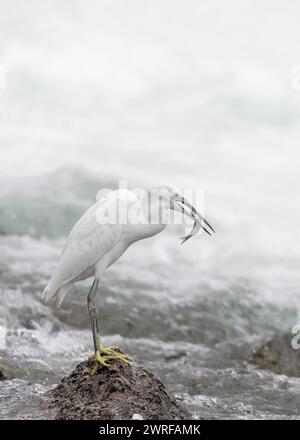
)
(104, 355)
(112, 352)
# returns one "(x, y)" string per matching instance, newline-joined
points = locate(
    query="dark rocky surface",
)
(277, 355)
(119, 392)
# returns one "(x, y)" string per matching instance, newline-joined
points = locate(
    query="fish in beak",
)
(199, 221)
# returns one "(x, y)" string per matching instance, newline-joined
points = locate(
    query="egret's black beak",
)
(182, 202)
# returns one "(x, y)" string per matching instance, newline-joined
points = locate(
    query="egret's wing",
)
(86, 244)
(88, 222)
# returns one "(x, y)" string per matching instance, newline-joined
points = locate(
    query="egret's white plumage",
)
(93, 245)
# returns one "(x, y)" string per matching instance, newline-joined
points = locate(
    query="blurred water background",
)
(200, 94)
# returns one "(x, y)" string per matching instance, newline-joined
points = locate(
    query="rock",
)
(120, 392)
(277, 355)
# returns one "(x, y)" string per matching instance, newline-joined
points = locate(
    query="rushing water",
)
(92, 99)
(191, 313)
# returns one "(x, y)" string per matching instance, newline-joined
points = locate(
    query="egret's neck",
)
(155, 212)
(152, 220)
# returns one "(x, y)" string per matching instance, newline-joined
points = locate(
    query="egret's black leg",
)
(93, 313)
(102, 354)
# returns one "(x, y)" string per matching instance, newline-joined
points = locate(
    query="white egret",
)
(99, 238)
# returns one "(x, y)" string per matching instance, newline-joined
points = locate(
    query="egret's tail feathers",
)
(55, 296)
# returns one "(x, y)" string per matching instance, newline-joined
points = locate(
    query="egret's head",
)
(170, 197)
(166, 193)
